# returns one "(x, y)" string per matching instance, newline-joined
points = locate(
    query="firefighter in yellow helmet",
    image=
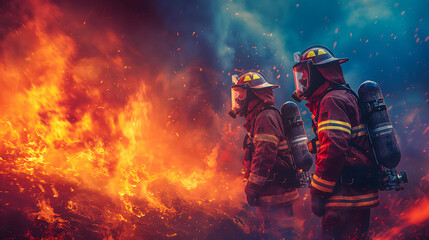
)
(265, 154)
(344, 185)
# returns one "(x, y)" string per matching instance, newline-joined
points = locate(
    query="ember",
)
(90, 148)
(113, 121)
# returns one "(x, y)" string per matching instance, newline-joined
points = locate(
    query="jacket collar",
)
(316, 96)
(254, 108)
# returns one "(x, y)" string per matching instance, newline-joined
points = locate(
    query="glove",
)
(252, 192)
(251, 199)
(318, 206)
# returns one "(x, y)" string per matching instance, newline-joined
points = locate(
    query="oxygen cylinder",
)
(296, 136)
(380, 128)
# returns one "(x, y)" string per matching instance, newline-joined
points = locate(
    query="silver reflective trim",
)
(297, 57)
(382, 128)
(299, 140)
(259, 180)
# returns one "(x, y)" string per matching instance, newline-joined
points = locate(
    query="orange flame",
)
(92, 121)
(415, 216)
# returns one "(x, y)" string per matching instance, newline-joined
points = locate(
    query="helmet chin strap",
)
(295, 97)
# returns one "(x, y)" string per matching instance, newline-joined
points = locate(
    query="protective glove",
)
(252, 192)
(251, 199)
(318, 206)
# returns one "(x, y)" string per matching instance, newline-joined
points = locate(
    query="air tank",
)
(379, 126)
(296, 136)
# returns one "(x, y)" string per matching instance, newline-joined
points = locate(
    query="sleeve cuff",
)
(258, 180)
(266, 138)
(322, 185)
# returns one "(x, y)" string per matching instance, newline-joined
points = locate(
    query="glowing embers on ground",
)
(85, 149)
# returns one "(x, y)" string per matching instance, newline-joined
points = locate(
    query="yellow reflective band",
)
(266, 138)
(359, 204)
(278, 199)
(334, 128)
(358, 134)
(329, 183)
(358, 131)
(256, 76)
(253, 178)
(283, 145)
(311, 54)
(321, 188)
(359, 127)
(247, 78)
(353, 201)
(321, 52)
(358, 197)
(346, 124)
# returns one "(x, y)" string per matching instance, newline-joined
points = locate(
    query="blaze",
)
(418, 215)
(84, 133)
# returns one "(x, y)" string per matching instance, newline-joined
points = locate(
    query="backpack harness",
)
(356, 175)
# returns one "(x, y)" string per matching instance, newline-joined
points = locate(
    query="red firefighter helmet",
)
(307, 77)
(253, 80)
(239, 91)
(318, 55)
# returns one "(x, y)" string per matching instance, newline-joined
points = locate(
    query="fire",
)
(417, 215)
(79, 127)
(105, 138)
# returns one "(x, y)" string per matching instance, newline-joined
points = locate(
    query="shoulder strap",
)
(272, 107)
(345, 87)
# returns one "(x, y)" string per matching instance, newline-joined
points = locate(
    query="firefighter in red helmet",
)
(344, 185)
(265, 154)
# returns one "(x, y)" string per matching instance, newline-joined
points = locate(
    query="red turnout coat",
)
(266, 126)
(342, 160)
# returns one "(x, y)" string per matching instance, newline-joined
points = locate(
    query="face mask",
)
(238, 99)
(301, 75)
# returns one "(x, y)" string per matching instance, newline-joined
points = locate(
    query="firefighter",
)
(344, 185)
(266, 155)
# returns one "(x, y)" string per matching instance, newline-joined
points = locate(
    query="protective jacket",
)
(265, 129)
(345, 176)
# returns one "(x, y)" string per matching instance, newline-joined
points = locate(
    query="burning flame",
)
(77, 116)
(101, 140)
(417, 215)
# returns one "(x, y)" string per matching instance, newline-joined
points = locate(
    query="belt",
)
(358, 175)
(283, 175)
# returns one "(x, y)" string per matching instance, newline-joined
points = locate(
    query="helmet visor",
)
(301, 77)
(238, 99)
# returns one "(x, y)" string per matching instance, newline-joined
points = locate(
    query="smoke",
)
(135, 94)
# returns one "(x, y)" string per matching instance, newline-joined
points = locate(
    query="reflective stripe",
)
(334, 128)
(358, 134)
(329, 183)
(353, 198)
(266, 138)
(359, 127)
(382, 128)
(253, 178)
(322, 185)
(283, 145)
(353, 201)
(278, 199)
(334, 125)
(358, 131)
(299, 140)
(360, 204)
(345, 124)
